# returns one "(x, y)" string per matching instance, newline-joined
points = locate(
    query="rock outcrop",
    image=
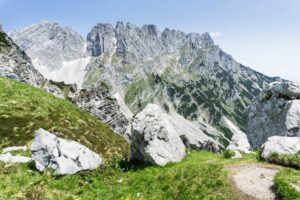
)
(154, 141)
(49, 44)
(15, 64)
(97, 100)
(280, 145)
(276, 111)
(65, 157)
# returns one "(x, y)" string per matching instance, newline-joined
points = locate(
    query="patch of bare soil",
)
(253, 182)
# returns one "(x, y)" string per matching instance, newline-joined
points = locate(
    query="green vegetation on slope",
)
(285, 160)
(24, 109)
(201, 175)
(284, 180)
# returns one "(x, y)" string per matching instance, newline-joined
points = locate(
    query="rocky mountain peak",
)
(49, 44)
(139, 44)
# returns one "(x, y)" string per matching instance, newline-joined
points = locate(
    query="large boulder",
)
(276, 111)
(154, 139)
(159, 138)
(65, 157)
(280, 145)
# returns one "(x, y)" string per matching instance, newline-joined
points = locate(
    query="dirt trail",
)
(253, 182)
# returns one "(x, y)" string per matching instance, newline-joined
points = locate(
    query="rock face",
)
(65, 157)
(276, 111)
(49, 44)
(239, 140)
(281, 145)
(97, 100)
(153, 139)
(15, 64)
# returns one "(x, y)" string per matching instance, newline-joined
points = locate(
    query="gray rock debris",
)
(276, 111)
(65, 157)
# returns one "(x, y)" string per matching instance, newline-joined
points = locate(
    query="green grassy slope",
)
(201, 175)
(24, 109)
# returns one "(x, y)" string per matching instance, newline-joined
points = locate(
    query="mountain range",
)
(186, 74)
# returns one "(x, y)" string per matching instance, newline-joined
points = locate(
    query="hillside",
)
(24, 109)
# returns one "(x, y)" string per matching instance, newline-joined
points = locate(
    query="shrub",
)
(228, 154)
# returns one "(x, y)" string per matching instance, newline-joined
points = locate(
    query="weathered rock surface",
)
(97, 100)
(280, 145)
(8, 158)
(276, 111)
(153, 139)
(49, 44)
(159, 138)
(239, 140)
(15, 64)
(16, 148)
(65, 157)
(190, 134)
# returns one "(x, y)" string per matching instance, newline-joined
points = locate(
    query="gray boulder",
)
(276, 111)
(280, 145)
(65, 157)
(154, 140)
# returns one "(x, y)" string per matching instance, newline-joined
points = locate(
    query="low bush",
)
(228, 153)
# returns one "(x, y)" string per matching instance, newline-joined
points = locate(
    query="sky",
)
(261, 34)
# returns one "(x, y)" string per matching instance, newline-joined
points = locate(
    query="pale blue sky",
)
(262, 34)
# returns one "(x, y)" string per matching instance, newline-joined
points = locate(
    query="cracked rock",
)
(64, 157)
(154, 140)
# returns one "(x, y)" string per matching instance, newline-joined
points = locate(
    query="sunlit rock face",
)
(275, 112)
(49, 45)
